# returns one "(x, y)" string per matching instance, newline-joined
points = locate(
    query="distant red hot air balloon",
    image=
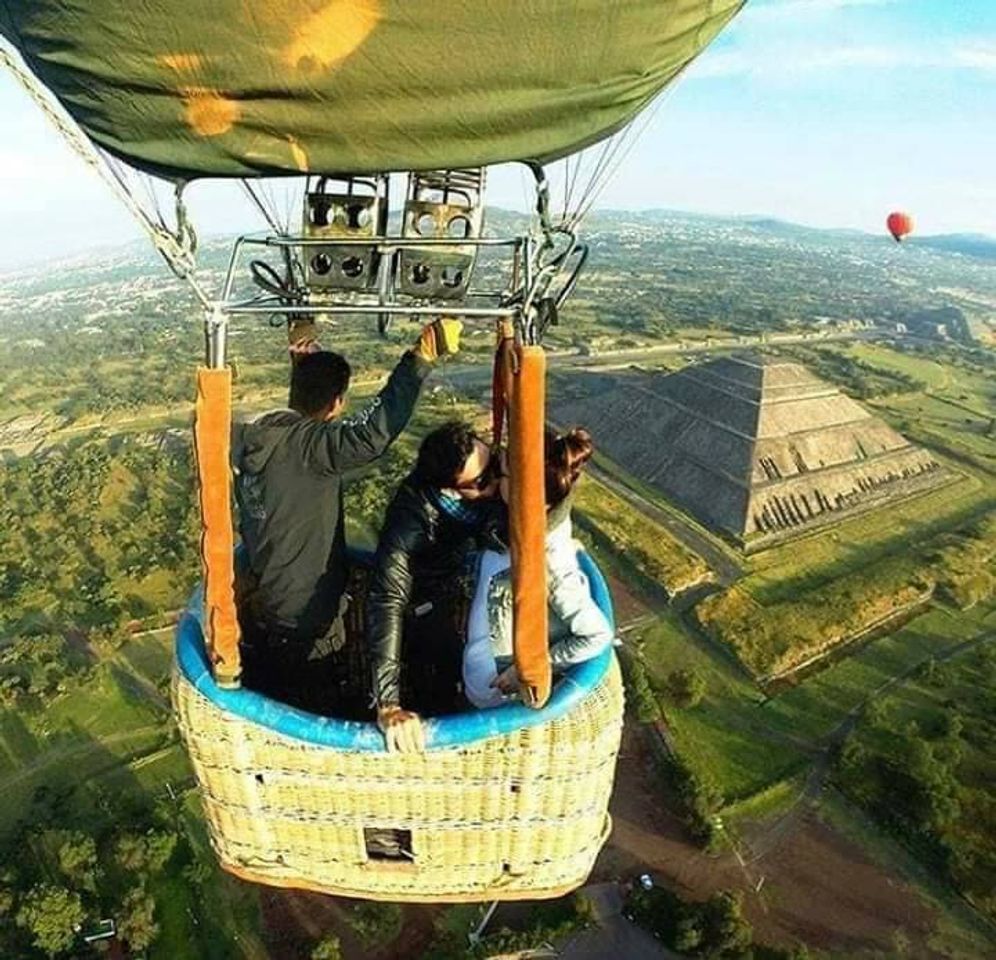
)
(899, 225)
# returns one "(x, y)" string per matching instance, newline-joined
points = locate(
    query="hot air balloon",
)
(509, 802)
(899, 225)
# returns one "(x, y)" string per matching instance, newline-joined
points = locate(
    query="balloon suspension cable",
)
(177, 247)
(557, 256)
(268, 215)
(612, 155)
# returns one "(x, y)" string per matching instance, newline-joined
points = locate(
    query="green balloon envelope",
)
(235, 88)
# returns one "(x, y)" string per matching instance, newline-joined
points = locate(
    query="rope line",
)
(176, 248)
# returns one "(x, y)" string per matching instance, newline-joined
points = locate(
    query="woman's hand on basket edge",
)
(402, 730)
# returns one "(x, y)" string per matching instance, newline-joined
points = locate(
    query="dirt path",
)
(52, 757)
(821, 888)
(294, 921)
(141, 684)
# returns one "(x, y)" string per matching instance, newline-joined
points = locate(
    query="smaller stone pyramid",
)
(753, 446)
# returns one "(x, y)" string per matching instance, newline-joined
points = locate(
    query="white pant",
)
(479, 666)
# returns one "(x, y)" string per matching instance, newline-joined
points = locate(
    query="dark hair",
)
(317, 380)
(444, 452)
(565, 456)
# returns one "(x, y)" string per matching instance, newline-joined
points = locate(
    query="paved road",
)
(726, 568)
(614, 936)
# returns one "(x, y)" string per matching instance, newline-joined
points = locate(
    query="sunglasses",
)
(493, 471)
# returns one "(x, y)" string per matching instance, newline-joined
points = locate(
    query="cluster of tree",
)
(65, 881)
(714, 928)
(83, 528)
(38, 666)
(368, 494)
(684, 688)
(911, 777)
(938, 323)
(963, 564)
(143, 384)
(328, 948)
(912, 787)
(375, 923)
(857, 377)
(699, 797)
(775, 637)
(548, 922)
(639, 691)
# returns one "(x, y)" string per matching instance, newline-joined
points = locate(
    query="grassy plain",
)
(794, 568)
(646, 545)
(724, 738)
(746, 741)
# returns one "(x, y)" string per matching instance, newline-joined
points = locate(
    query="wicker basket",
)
(505, 803)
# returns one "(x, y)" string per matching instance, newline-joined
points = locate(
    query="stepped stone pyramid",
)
(753, 446)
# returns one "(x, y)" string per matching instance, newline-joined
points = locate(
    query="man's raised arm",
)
(358, 440)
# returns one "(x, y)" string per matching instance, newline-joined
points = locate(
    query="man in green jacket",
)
(289, 466)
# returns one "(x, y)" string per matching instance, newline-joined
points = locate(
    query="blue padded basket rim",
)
(450, 731)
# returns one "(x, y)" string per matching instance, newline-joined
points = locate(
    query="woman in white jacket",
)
(578, 628)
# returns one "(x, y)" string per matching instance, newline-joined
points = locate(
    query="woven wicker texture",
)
(517, 816)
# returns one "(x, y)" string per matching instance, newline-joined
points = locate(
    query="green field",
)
(815, 707)
(110, 739)
(935, 375)
(725, 738)
(802, 565)
(645, 545)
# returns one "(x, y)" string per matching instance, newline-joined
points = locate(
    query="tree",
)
(688, 931)
(375, 922)
(875, 713)
(641, 693)
(52, 915)
(129, 852)
(77, 856)
(144, 854)
(328, 948)
(159, 847)
(136, 919)
(725, 932)
(686, 687)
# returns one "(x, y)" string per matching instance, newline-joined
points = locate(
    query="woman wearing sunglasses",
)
(578, 629)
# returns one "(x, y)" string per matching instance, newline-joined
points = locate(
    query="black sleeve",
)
(341, 445)
(390, 590)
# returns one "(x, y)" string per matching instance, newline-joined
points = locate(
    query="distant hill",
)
(968, 244)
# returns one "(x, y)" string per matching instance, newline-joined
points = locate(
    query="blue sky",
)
(825, 112)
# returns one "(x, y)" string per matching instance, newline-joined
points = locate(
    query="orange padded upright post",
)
(527, 520)
(212, 439)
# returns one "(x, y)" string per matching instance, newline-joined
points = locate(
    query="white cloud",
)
(787, 39)
(980, 55)
(782, 56)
